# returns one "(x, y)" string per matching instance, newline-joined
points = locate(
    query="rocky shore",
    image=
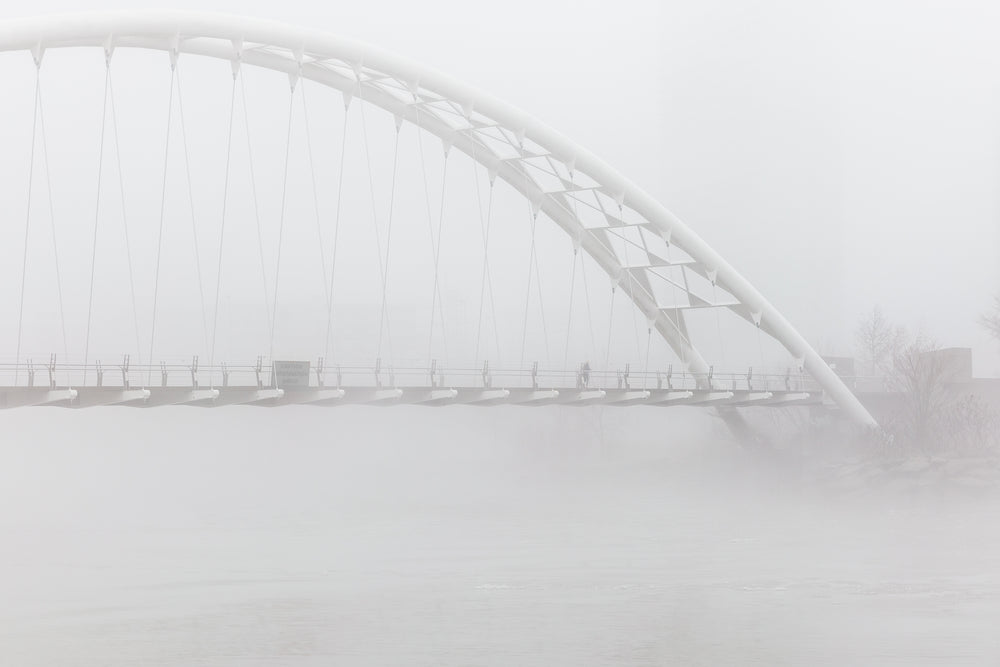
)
(964, 474)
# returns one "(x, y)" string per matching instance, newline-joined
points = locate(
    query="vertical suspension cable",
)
(315, 191)
(482, 230)
(27, 221)
(577, 243)
(281, 225)
(486, 281)
(760, 349)
(163, 206)
(371, 192)
(383, 313)
(649, 339)
(222, 230)
(489, 276)
(435, 245)
(629, 285)
(760, 344)
(121, 192)
(256, 207)
(718, 325)
(611, 321)
(527, 295)
(97, 218)
(538, 288)
(437, 262)
(583, 271)
(533, 265)
(52, 218)
(194, 224)
(590, 311)
(569, 318)
(336, 233)
(484, 227)
(677, 312)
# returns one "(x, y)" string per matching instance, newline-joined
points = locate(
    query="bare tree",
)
(878, 341)
(931, 416)
(919, 373)
(991, 320)
(972, 426)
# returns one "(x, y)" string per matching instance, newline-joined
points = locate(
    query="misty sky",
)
(840, 155)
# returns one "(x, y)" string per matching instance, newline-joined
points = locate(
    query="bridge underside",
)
(11, 397)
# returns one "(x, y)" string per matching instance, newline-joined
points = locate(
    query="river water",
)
(365, 536)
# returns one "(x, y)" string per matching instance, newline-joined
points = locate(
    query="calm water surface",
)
(384, 537)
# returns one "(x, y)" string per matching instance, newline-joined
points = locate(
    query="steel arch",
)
(459, 115)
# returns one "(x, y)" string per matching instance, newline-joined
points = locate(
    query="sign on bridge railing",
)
(291, 374)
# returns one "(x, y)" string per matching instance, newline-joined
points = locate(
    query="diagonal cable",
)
(486, 279)
(281, 223)
(256, 207)
(437, 273)
(435, 244)
(163, 207)
(222, 227)
(569, 318)
(371, 192)
(52, 217)
(336, 234)
(194, 223)
(121, 192)
(97, 217)
(383, 314)
(315, 190)
(27, 224)
(583, 271)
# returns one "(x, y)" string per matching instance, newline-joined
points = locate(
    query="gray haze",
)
(840, 155)
(369, 536)
(854, 142)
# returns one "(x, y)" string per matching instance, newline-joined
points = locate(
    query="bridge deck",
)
(11, 397)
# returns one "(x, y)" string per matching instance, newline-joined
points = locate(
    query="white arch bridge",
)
(213, 210)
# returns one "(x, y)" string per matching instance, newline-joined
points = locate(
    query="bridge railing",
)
(261, 374)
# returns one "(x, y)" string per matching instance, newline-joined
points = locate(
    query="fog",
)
(855, 141)
(841, 156)
(366, 536)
